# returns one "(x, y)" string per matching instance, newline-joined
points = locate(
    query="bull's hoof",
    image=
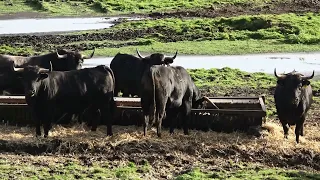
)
(286, 136)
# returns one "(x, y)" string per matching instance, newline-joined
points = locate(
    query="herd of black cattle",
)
(57, 81)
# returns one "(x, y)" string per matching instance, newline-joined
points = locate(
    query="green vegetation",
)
(75, 170)
(69, 170)
(253, 174)
(286, 28)
(99, 7)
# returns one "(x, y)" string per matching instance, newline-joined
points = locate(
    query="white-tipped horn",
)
(44, 70)
(139, 53)
(18, 69)
(210, 102)
(91, 55)
(309, 77)
(61, 56)
(277, 76)
(175, 55)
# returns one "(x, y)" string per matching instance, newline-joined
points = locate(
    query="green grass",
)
(96, 7)
(287, 28)
(252, 174)
(10, 169)
(70, 170)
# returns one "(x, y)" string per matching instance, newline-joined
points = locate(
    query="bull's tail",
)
(153, 104)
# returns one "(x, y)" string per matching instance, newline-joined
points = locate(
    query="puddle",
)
(284, 62)
(27, 26)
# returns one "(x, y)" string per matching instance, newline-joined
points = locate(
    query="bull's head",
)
(74, 58)
(157, 58)
(31, 77)
(293, 83)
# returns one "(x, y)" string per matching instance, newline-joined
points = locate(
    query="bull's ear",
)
(42, 76)
(305, 83)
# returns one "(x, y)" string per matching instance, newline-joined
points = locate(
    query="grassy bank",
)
(108, 7)
(211, 36)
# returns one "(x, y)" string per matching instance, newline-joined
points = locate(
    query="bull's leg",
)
(46, 128)
(37, 119)
(145, 105)
(298, 131)
(38, 128)
(94, 119)
(187, 111)
(301, 130)
(285, 129)
(159, 123)
(172, 119)
(145, 124)
(110, 114)
(160, 114)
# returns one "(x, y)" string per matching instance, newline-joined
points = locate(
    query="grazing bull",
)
(168, 89)
(293, 99)
(68, 91)
(128, 70)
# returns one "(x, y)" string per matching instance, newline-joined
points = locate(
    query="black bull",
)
(60, 60)
(293, 99)
(129, 69)
(70, 91)
(167, 92)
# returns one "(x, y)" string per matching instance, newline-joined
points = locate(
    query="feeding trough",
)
(225, 114)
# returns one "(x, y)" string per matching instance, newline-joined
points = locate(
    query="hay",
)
(272, 141)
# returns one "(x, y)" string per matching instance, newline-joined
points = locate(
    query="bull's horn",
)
(86, 57)
(210, 102)
(139, 54)
(44, 70)
(309, 77)
(275, 74)
(18, 69)
(61, 56)
(175, 55)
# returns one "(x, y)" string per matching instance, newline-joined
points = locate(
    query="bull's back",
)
(81, 82)
(127, 70)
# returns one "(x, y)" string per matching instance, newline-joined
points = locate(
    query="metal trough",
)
(234, 113)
